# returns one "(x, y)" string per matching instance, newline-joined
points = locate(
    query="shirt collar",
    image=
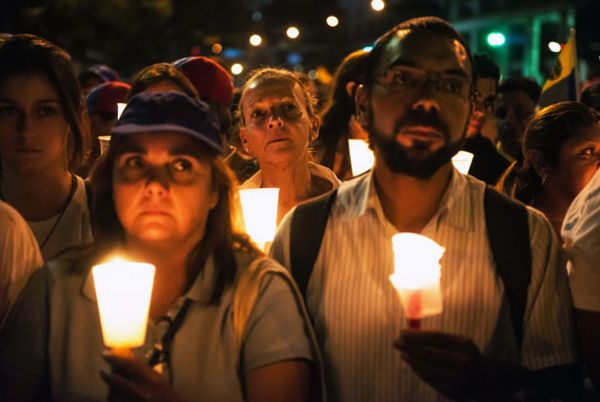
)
(360, 195)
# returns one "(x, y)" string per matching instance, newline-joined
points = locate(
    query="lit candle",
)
(259, 206)
(120, 108)
(462, 161)
(123, 291)
(416, 275)
(361, 156)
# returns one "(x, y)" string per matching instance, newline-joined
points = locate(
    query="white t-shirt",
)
(581, 233)
(19, 257)
(73, 228)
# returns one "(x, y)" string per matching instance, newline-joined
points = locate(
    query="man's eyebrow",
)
(409, 63)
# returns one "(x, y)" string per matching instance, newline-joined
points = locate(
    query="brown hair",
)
(159, 72)
(221, 237)
(24, 54)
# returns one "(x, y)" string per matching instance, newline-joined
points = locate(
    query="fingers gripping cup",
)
(416, 276)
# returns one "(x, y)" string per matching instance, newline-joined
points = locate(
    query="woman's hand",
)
(132, 380)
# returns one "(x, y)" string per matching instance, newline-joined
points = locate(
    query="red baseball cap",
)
(211, 80)
(104, 97)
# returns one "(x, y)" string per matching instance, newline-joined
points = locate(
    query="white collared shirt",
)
(357, 312)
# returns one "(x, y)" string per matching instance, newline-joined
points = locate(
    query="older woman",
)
(163, 195)
(278, 123)
(44, 138)
(561, 153)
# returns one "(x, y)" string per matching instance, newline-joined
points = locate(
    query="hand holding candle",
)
(123, 291)
(416, 275)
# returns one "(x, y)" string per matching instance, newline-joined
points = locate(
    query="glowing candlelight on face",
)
(462, 161)
(361, 156)
(259, 206)
(123, 291)
(417, 274)
(120, 108)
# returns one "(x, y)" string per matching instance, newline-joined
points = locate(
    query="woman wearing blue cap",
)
(163, 195)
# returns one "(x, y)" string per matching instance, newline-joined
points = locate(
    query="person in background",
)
(561, 153)
(515, 105)
(161, 77)
(338, 121)
(101, 104)
(215, 86)
(44, 139)
(95, 75)
(162, 195)
(581, 235)
(19, 257)
(488, 164)
(415, 103)
(278, 123)
(590, 96)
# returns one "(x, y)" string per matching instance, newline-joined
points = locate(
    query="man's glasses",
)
(403, 78)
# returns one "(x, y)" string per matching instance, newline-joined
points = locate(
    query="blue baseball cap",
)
(170, 111)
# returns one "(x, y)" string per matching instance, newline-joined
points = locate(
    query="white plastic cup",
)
(123, 291)
(417, 274)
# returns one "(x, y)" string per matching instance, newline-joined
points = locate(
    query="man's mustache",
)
(419, 118)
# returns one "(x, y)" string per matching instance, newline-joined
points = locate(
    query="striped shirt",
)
(357, 312)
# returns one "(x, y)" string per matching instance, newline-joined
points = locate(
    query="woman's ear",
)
(361, 100)
(538, 163)
(315, 125)
(244, 139)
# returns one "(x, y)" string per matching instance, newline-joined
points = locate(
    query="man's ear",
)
(361, 101)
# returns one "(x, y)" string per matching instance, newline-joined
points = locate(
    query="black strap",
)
(508, 234)
(308, 226)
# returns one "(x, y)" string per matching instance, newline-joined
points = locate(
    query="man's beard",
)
(417, 161)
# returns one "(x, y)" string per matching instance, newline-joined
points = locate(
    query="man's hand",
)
(451, 364)
(132, 380)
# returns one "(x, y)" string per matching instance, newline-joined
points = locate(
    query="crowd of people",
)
(316, 318)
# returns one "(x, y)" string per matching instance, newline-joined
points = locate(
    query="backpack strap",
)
(245, 293)
(508, 234)
(306, 232)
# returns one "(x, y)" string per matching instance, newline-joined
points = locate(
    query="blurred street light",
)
(332, 21)
(216, 48)
(255, 40)
(496, 39)
(377, 5)
(554, 47)
(236, 69)
(292, 32)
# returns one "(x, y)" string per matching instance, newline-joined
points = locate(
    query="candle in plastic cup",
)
(259, 206)
(123, 291)
(462, 161)
(361, 156)
(104, 142)
(417, 274)
(120, 108)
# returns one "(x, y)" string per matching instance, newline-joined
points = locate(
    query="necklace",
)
(62, 211)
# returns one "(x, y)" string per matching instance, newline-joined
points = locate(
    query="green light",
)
(496, 39)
